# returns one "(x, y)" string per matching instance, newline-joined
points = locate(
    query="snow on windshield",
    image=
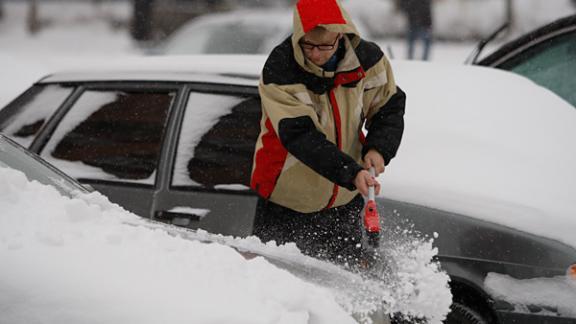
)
(558, 293)
(74, 262)
(85, 260)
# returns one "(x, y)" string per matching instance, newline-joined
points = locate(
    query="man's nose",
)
(315, 52)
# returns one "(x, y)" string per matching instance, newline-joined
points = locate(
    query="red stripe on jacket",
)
(338, 123)
(341, 78)
(269, 160)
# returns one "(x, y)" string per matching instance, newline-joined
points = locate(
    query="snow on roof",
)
(233, 69)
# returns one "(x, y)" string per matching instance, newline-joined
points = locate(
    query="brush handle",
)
(371, 195)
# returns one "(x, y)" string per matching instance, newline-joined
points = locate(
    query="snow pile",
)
(406, 281)
(84, 260)
(70, 261)
(558, 293)
(417, 287)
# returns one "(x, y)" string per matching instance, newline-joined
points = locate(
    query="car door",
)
(211, 161)
(110, 136)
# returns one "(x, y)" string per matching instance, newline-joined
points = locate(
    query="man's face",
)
(319, 45)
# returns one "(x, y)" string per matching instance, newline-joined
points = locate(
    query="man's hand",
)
(374, 159)
(364, 180)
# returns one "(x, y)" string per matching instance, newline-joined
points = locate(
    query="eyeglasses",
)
(321, 47)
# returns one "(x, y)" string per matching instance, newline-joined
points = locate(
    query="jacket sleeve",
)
(385, 114)
(295, 123)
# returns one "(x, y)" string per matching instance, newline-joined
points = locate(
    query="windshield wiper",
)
(473, 58)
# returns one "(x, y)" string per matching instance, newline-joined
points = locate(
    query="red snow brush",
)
(371, 217)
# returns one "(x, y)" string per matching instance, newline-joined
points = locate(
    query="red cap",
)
(319, 12)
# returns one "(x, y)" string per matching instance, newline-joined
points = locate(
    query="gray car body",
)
(468, 248)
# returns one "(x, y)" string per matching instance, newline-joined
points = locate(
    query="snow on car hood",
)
(85, 260)
(488, 144)
(69, 261)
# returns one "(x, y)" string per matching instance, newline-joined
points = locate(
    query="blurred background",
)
(138, 25)
(37, 36)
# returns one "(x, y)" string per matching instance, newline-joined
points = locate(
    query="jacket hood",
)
(329, 14)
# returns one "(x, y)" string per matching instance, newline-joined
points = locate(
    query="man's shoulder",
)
(368, 53)
(280, 67)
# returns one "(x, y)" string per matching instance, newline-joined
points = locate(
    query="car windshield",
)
(550, 64)
(15, 157)
(222, 38)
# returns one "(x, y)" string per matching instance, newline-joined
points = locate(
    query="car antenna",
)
(473, 57)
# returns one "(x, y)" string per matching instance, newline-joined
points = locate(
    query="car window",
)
(111, 135)
(551, 64)
(217, 139)
(22, 118)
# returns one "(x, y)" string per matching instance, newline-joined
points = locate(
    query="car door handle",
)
(181, 216)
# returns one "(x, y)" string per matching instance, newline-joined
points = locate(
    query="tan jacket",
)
(311, 145)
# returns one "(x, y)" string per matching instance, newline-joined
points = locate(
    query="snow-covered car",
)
(546, 55)
(486, 166)
(237, 32)
(70, 256)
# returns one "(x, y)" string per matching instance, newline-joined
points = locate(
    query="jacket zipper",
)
(337, 121)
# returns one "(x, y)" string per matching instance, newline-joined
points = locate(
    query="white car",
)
(236, 32)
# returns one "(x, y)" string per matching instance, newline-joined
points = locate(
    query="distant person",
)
(419, 16)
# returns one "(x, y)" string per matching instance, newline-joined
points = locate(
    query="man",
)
(419, 25)
(318, 88)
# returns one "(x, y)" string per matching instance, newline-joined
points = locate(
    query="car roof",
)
(221, 69)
